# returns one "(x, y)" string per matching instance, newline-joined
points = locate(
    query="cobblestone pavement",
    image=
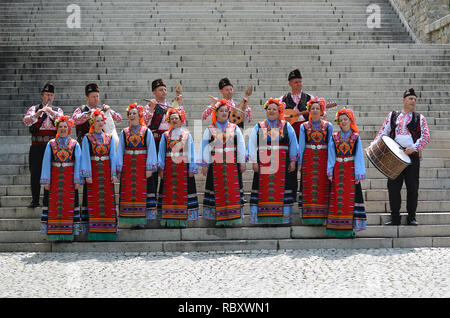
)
(418, 272)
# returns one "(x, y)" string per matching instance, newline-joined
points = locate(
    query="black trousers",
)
(35, 156)
(411, 177)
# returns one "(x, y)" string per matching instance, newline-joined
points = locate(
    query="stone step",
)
(265, 67)
(191, 86)
(243, 79)
(177, 75)
(243, 233)
(256, 51)
(225, 245)
(398, 49)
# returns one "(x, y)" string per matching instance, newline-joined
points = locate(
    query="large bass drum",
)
(388, 157)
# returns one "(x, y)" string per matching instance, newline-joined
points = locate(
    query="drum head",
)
(394, 147)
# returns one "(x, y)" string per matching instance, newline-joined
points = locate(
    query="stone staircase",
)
(124, 47)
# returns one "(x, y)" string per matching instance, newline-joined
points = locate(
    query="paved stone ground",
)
(418, 272)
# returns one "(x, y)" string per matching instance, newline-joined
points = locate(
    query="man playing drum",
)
(410, 130)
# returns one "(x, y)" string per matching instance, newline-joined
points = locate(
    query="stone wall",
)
(429, 20)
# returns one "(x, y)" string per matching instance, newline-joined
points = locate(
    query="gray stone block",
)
(411, 242)
(223, 245)
(22, 237)
(378, 231)
(241, 233)
(336, 243)
(102, 247)
(424, 230)
(125, 235)
(25, 247)
(441, 241)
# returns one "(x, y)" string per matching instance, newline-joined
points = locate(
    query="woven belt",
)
(96, 158)
(184, 154)
(316, 147)
(273, 147)
(62, 164)
(41, 138)
(135, 152)
(345, 159)
(222, 150)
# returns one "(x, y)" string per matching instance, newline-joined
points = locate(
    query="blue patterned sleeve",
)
(77, 178)
(120, 152)
(86, 169)
(113, 158)
(360, 169)
(46, 165)
(152, 160)
(331, 157)
(204, 153)
(301, 144)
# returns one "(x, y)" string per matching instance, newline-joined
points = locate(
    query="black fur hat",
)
(294, 74)
(224, 82)
(91, 88)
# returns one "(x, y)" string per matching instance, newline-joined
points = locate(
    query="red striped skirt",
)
(227, 192)
(342, 200)
(101, 200)
(133, 189)
(272, 179)
(175, 189)
(316, 186)
(61, 202)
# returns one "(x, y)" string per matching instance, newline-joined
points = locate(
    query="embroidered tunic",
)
(223, 150)
(314, 144)
(61, 170)
(177, 200)
(273, 145)
(346, 165)
(99, 163)
(136, 154)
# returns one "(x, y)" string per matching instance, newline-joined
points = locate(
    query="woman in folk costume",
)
(222, 157)
(314, 144)
(136, 161)
(98, 167)
(345, 170)
(273, 151)
(61, 177)
(177, 200)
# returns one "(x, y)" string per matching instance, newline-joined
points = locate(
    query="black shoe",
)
(392, 223)
(413, 222)
(33, 205)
